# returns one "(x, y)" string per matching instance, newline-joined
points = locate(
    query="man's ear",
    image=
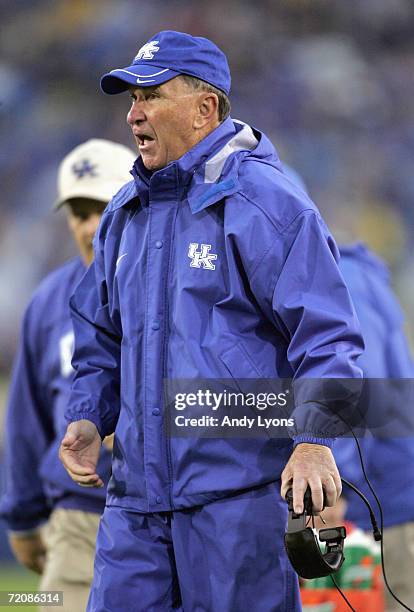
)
(207, 110)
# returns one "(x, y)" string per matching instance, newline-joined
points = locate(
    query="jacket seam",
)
(259, 261)
(279, 232)
(166, 345)
(144, 412)
(272, 221)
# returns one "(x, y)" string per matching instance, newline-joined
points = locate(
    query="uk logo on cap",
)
(147, 51)
(167, 55)
(84, 168)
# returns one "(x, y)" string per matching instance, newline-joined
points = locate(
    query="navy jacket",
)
(216, 266)
(389, 462)
(36, 480)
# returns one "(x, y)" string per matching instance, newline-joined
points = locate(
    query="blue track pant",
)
(227, 556)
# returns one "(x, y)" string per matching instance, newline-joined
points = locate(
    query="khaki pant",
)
(70, 538)
(399, 565)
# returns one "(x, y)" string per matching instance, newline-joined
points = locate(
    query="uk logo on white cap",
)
(84, 168)
(94, 170)
(147, 51)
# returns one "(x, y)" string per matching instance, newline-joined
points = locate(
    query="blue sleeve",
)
(312, 307)
(95, 391)
(29, 431)
(387, 399)
(387, 354)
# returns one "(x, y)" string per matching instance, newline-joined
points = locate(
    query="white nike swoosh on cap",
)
(142, 76)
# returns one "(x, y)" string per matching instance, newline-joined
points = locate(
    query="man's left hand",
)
(311, 465)
(29, 550)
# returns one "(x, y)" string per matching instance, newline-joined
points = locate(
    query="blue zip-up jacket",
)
(36, 481)
(388, 461)
(216, 266)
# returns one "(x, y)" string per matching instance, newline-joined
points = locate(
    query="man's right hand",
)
(79, 453)
(29, 550)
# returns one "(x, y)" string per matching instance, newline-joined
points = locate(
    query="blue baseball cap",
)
(165, 56)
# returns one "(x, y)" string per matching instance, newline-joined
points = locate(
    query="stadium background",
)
(330, 81)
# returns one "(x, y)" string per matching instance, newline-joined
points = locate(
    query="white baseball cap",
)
(95, 170)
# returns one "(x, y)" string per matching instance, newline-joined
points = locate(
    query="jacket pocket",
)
(248, 379)
(239, 363)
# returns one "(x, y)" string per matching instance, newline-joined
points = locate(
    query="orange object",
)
(318, 600)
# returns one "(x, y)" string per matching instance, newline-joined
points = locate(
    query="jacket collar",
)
(217, 176)
(208, 171)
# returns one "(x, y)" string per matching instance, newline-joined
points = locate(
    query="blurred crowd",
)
(331, 83)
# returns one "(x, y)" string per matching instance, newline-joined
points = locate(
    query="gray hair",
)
(199, 85)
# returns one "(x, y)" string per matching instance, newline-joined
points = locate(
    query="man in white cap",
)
(38, 489)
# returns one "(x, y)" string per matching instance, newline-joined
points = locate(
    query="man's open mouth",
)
(144, 139)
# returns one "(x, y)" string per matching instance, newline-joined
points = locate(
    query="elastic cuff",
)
(311, 439)
(88, 416)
